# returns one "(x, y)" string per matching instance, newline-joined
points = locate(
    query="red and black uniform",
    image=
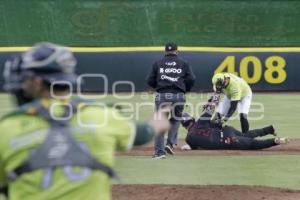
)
(206, 135)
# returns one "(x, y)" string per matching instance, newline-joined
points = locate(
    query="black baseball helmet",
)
(218, 82)
(50, 62)
(186, 120)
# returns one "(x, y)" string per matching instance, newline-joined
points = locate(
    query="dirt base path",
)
(293, 148)
(186, 192)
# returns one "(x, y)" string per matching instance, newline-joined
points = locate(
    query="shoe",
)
(281, 140)
(273, 131)
(158, 157)
(270, 130)
(169, 149)
(186, 147)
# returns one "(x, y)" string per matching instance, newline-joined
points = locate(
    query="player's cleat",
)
(272, 131)
(269, 130)
(158, 157)
(186, 147)
(281, 140)
(169, 149)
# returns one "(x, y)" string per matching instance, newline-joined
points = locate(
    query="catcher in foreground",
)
(212, 135)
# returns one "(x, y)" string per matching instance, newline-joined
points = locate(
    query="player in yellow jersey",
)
(57, 147)
(237, 94)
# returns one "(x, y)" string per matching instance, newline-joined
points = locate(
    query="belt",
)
(170, 95)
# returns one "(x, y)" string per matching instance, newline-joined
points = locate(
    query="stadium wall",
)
(125, 69)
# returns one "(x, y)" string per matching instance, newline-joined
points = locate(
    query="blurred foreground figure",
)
(58, 147)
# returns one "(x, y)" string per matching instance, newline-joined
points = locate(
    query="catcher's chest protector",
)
(60, 148)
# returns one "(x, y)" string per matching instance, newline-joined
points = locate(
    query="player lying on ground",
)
(204, 134)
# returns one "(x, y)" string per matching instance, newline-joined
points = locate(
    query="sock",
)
(244, 122)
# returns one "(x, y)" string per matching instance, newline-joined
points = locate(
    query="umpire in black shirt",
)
(171, 77)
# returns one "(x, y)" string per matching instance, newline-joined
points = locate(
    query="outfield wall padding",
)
(264, 69)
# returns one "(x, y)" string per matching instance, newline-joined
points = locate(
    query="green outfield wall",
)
(150, 23)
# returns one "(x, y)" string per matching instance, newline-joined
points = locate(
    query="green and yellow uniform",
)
(237, 87)
(102, 131)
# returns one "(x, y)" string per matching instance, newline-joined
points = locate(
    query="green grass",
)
(275, 171)
(281, 110)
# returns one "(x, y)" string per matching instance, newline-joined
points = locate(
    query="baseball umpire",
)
(171, 77)
(237, 94)
(204, 134)
(58, 147)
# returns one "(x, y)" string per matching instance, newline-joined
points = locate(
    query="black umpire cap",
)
(171, 46)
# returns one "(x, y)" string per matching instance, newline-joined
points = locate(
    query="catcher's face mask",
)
(14, 79)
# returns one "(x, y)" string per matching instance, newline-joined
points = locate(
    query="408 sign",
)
(265, 69)
(271, 69)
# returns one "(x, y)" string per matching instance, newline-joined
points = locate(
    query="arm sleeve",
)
(189, 78)
(233, 106)
(130, 134)
(151, 78)
(122, 130)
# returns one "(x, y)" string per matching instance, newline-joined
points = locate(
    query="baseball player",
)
(237, 94)
(57, 147)
(205, 134)
(171, 77)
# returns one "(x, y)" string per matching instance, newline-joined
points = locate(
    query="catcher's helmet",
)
(13, 79)
(218, 82)
(50, 62)
(12, 74)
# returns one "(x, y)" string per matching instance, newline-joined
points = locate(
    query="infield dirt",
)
(292, 148)
(188, 192)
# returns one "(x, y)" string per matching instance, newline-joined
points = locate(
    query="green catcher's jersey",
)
(237, 88)
(101, 130)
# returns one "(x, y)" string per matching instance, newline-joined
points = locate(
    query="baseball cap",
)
(171, 46)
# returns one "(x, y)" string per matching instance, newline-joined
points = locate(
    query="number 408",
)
(274, 72)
